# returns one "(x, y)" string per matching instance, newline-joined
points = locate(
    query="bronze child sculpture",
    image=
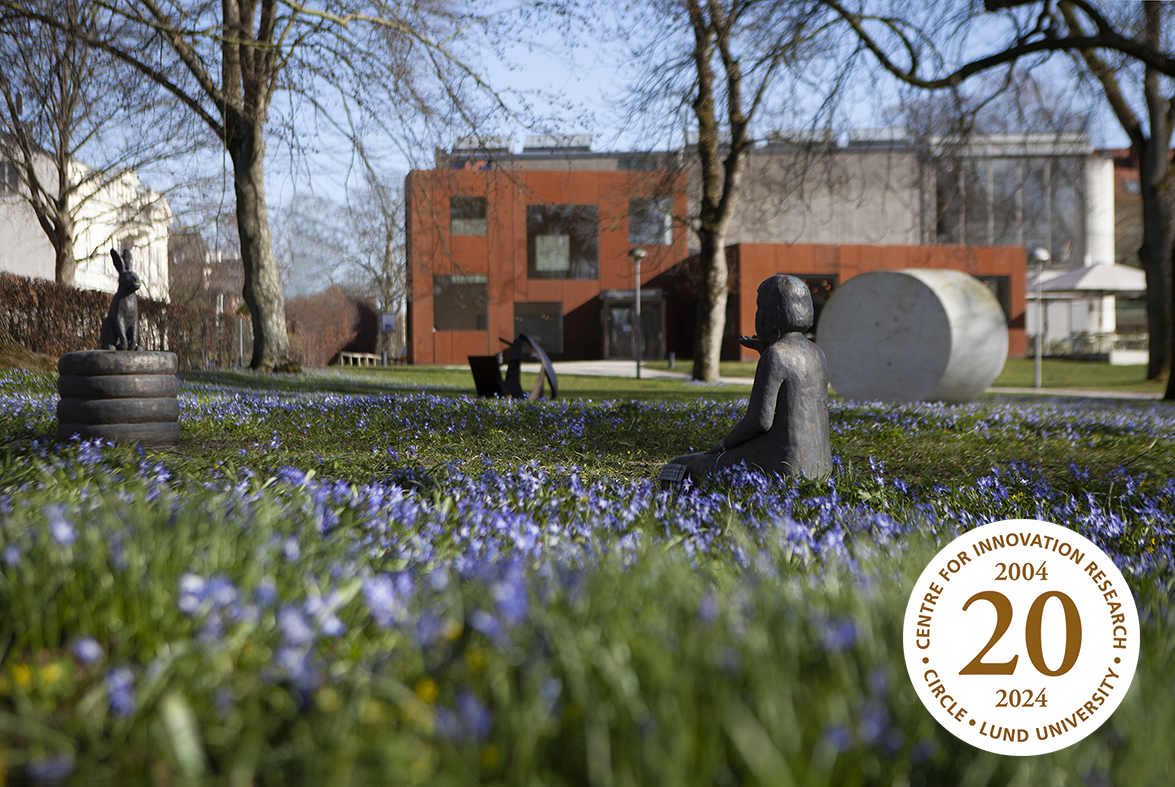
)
(785, 429)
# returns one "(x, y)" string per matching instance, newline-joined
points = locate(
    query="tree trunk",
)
(1158, 244)
(66, 264)
(711, 324)
(263, 286)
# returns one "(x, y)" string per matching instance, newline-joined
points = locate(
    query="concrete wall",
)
(24, 248)
(834, 197)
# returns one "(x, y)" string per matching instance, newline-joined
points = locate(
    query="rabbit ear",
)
(126, 258)
(118, 264)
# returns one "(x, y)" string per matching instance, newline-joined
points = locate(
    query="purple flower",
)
(60, 528)
(191, 593)
(708, 609)
(52, 770)
(839, 738)
(265, 592)
(11, 555)
(384, 600)
(87, 650)
(295, 629)
(220, 591)
(290, 549)
(470, 720)
(837, 636)
(120, 682)
(510, 598)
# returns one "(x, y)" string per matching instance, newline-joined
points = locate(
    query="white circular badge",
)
(1021, 637)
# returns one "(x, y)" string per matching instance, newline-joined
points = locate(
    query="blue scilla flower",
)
(61, 529)
(838, 738)
(265, 592)
(385, 601)
(191, 593)
(120, 682)
(12, 555)
(471, 720)
(50, 770)
(294, 627)
(220, 591)
(510, 597)
(87, 650)
(837, 635)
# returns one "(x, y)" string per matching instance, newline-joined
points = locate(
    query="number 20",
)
(1032, 634)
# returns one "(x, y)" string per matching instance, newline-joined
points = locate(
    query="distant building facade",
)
(119, 214)
(537, 241)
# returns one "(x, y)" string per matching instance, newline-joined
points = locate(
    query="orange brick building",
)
(1002, 268)
(494, 251)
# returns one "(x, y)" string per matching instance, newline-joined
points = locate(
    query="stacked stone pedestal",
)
(123, 396)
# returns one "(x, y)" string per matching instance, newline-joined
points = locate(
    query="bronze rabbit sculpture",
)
(120, 329)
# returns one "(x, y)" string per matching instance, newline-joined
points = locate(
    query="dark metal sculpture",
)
(487, 372)
(120, 329)
(785, 429)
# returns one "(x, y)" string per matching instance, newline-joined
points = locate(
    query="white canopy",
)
(1103, 278)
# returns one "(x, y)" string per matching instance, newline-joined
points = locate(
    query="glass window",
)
(552, 254)
(650, 222)
(460, 303)
(562, 241)
(949, 203)
(1006, 202)
(976, 203)
(1067, 210)
(543, 321)
(467, 215)
(9, 178)
(1002, 292)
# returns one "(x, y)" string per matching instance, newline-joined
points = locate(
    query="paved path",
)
(1093, 394)
(623, 369)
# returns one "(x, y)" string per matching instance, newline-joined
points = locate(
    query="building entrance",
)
(618, 318)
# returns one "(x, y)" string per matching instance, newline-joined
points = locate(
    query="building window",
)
(650, 222)
(460, 303)
(1014, 201)
(1001, 290)
(542, 321)
(9, 178)
(467, 215)
(821, 289)
(562, 241)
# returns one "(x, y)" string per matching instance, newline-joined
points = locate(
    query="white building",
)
(118, 214)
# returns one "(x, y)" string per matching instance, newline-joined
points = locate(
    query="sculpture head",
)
(784, 306)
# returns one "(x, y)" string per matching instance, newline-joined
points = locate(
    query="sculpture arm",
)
(760, 415)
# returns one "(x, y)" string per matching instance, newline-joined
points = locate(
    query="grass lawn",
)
(370, 577)
(1058, 373)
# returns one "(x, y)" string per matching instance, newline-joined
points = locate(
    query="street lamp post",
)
(1040, 256)
(637, 255)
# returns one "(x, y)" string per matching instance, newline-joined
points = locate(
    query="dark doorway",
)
(618, 318)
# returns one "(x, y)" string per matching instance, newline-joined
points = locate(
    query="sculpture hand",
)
(751, 343)
(718, 449)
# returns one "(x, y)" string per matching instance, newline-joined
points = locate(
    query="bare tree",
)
(1120, 45)
(226, 61)
(723, 62)
(377, 266)
(64, 104)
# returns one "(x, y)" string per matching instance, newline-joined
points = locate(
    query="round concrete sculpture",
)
(913, 335)
(125, 396)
